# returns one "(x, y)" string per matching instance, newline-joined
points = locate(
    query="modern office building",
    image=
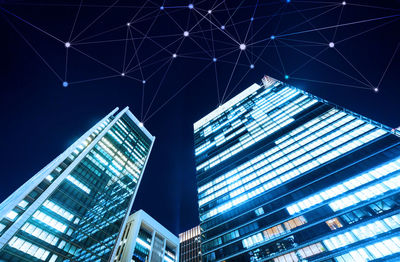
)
(74, 209)
(145, 240)
(286, 176)
(189, 247)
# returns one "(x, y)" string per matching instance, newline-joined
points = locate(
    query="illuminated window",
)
(371, 252)
(289, 257)
(29, 248)
(23, 204)
(50, 221)
(350, 184)
(58, 210)
(39, 233)
(143, 243)
(366, 193)
(272, 232)
(264, 124)
(362, 232)
(168, 259)
(304, 252)
(334, 223)
(264, 178)
(295, 222)
(78, 184)
(12, 215)
(311, 250)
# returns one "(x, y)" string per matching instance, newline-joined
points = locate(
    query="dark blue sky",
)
(40, 117)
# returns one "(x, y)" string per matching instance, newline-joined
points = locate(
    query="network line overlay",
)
(330, 44)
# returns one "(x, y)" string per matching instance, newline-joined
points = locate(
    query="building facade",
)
(145, 240)
(75, 207)
(286, 176)
(189, 247)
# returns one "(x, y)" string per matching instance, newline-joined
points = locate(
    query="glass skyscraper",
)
(189, 247)
(75, 208)
(286, 176)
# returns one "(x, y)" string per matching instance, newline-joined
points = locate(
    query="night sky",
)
(41, 117)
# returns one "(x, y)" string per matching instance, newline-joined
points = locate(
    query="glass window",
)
(334, 223)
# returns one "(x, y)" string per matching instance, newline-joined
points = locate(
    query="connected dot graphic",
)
(285, 41)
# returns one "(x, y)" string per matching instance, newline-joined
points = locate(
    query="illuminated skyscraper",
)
(286, 176)
(75, 207)
(144, 239)
(189, 248)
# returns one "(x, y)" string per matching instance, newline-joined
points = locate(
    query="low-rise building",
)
(144, 239)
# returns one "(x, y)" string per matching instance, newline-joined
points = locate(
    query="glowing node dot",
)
(344, 3)
(331, 45)
(214, 59)
(190, 6)
(287, 1)
(186, 33)
(376, 90)
(174, 55)
(251, 19)
(128, 24)
(272, 37)
(209, 11)
(67, 44)
(251, 66)
(144, 82)
(65, 84)
(222, 27)
(141, 124)
(162, 7)
(242, 46)
(286, 77)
